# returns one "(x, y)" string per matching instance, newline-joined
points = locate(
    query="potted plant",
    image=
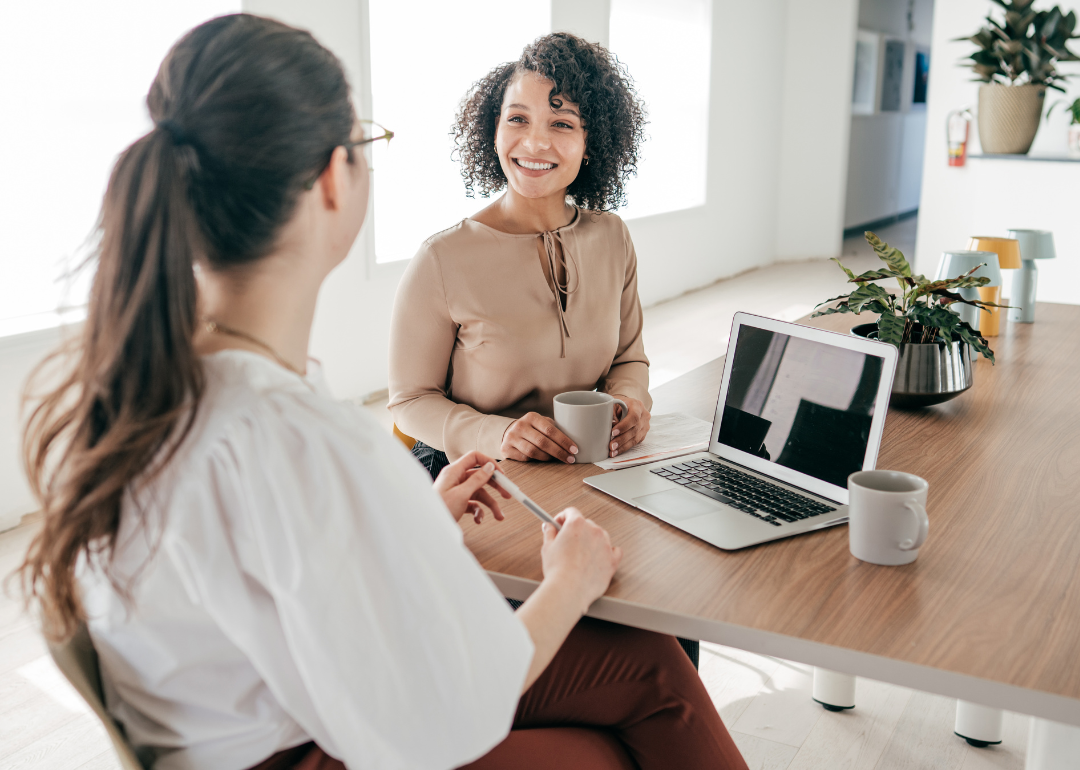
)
(1016, 61)
(935, 343)
(1074, 124)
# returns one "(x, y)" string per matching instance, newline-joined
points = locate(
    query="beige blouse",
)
(478, 337)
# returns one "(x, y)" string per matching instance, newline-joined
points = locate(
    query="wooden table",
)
(990, 611)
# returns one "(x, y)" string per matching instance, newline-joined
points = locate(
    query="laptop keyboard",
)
(742, 491)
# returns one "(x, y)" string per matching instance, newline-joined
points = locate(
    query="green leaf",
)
(966, 281)
(826, 302)
(891, 328)
(868, 292)
(891, 256)
(979, 343)
(938, 317)
(841, 308)
(850, 275)
(946, 297)
(876, 275)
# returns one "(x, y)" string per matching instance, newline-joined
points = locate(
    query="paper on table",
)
(670, 435)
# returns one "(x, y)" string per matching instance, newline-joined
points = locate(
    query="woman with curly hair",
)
(536, 294)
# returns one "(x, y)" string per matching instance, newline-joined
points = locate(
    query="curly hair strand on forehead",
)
(584, 73)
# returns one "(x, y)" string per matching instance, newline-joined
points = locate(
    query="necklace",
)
(213, 327)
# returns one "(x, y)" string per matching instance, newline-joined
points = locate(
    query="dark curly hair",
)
(585, 73)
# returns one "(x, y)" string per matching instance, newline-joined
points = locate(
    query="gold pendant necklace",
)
(213, 327)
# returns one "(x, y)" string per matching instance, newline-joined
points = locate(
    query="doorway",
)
(888, 121)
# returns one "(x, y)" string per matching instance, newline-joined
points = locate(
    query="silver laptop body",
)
(799, 409)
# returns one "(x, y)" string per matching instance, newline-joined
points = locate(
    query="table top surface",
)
(995, 592)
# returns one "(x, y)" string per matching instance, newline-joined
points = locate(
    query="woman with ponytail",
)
(269, 579)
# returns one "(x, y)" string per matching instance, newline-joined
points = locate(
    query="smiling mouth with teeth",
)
(534, 166)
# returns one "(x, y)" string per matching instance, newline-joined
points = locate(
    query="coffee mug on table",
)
(586, 417)
(887, 519)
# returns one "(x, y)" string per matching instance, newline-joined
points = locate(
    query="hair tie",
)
(177, 134)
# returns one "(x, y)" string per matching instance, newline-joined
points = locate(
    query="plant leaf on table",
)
(890, 255)
(875, 275)
(867, 293)
(850, 275)
(891, 328)
(920, 312)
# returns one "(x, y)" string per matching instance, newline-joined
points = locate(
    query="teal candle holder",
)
(1034, 245)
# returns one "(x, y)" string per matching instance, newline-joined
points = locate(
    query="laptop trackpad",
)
(676, 504)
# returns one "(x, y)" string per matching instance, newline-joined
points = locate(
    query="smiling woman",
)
(536, 294)
(605, 100)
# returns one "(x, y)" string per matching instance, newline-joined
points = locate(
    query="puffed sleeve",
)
(422, 336)
(345, 581)
(629, 373)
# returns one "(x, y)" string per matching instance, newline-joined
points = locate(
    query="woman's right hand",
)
(535, 437)
(580, 557)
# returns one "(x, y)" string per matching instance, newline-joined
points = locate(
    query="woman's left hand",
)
(461, 486)
(630, 430)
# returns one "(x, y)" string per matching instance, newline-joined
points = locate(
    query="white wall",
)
(18, 356)
(735, 229)
(885, 158)
(990, 196)
(777, 146)
(776, 178)
(815, 124)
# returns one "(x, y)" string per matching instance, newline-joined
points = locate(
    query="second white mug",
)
(586, 417)
(887, 516)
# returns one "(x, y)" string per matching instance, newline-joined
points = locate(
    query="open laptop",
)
(799, 410)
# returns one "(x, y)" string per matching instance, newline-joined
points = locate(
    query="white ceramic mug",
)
(586, 417)
(887, 516)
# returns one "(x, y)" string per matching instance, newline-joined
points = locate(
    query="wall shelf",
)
(1037, 158)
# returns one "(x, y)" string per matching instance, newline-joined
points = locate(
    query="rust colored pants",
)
(614, 698)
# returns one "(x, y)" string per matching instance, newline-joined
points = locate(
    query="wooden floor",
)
(765, 702)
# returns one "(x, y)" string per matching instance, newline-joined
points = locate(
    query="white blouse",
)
(299, 579)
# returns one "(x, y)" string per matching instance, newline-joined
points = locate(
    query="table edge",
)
(1057, 708)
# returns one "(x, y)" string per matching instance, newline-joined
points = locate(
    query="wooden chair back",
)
(78, 661)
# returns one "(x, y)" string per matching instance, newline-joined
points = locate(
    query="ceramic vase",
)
(1009, 117)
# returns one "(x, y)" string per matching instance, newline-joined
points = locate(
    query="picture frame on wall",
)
(892, 75)
(922, 75)
(864, 92)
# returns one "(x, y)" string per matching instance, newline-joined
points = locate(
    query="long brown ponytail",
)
(246, 111)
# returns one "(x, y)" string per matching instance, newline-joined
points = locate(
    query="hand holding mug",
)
(632, 425)
(535, 437)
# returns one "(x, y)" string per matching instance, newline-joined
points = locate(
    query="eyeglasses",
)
(386, 134)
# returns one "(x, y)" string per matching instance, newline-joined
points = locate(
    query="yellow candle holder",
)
(990, 318)
(1008, 251)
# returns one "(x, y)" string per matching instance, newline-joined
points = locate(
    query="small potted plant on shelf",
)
(935, 343)
(1074, 124)
(1016, 61)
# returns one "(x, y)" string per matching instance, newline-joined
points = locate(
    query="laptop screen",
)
(805, 405)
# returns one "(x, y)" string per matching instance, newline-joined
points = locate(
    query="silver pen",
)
(500, 478)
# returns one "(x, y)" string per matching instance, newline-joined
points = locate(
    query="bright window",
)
(666, 46)
(424, 57)
(73, 81)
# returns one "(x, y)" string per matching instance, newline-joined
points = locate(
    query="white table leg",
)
(1052, 746)
(834, 691)
(980, 726)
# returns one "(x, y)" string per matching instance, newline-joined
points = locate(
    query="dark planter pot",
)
(927, 374)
